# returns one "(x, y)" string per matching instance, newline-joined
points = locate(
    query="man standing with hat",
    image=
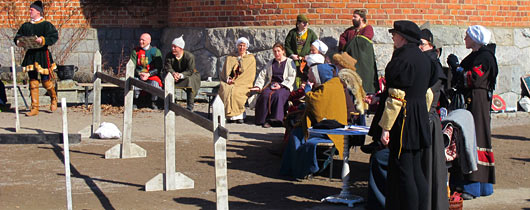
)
(181, 65)
(405, 120)
(38, 59)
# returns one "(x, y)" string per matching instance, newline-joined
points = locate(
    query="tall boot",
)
(190, 100)
(34, 89)
(50, 87)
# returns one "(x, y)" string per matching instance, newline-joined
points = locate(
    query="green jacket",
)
(362, 49)
(290, 42)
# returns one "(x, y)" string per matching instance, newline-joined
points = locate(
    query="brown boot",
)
(34, 89)
(50, 87)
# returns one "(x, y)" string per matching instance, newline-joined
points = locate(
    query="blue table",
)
(345, 196)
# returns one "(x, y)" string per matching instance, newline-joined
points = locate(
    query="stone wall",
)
(212, 45)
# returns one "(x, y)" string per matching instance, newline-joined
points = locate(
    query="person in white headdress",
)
(237, 78)
(181, 65)
(479, 71)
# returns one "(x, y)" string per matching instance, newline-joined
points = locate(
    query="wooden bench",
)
(87, 85)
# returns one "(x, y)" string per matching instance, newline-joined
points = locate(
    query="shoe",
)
(467, 196)
(240, 121)
(266, 125)
(153, 105)
(50, 87)
(370, 148)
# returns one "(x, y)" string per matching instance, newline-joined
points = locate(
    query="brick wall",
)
(95, 13)
(501, 13)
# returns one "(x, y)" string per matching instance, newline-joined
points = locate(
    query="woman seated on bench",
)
(274, 83)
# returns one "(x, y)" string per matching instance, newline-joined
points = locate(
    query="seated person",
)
(3, 97)
(275, 83)
(325, 98)
(148, 60)
(236, 80)
(181, 64)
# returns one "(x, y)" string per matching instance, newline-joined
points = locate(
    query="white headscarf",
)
(479, 34)
(243, 40)
(321, 46)
(179, 42)
(314, 58)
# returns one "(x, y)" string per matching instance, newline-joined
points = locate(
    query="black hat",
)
(38, 6)
(427, 35)
(408, 30)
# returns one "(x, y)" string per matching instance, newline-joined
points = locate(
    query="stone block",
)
(281, 34)
(262, 58)
(522, 37)
(73, 59)
(505, 74)
(128, 34)
(260, 39)
(383, 53)
(508, 55)
(452, 35)
(459, 50)
(502, 36)
(381, 35)
(206, 63)
(87, 46)
(222, 41)
(86, 60)
(113, 34)
(91, 34)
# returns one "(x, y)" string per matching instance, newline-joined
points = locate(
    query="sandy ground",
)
(32, 175)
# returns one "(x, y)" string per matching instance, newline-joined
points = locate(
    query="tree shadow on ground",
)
(509, 137)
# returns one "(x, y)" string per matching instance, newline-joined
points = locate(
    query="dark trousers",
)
(406, 183)
(34, 75)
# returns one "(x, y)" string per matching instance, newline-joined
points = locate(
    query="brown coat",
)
(235, 95)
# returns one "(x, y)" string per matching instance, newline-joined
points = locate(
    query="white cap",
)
(314, 58)
(479, 34)
(243, 40)
(179, 42)
(321, 46)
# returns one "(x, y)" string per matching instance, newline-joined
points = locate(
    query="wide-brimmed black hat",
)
(408, 30)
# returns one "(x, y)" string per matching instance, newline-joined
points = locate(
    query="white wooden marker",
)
(221, 181)
(96, 91)
(66, 156)
(17, 120)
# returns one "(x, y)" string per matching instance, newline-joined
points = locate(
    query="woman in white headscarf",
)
(480, 71)
(237, 78)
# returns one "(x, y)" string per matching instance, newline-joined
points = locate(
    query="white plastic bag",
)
(108, 131)
(525, 103)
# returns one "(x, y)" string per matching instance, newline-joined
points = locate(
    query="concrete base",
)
(158, 182)
(116, 152)
(85, 132)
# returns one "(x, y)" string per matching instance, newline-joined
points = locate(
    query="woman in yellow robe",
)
(237, 78)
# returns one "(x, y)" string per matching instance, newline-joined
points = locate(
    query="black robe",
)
(411, 71)
(39, 59)
(480, 73)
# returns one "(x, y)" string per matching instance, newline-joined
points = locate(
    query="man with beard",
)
(357, 42)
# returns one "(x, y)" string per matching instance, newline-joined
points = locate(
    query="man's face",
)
(399, 40)
(177, 51)
(356, 20)
(33, 13)
(425, 45)
(145, 40)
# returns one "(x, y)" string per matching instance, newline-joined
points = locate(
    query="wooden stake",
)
(17, 120)
(96, 91)
(66, 156)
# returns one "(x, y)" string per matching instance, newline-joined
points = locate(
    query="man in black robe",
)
(405, 120)
(38, 59)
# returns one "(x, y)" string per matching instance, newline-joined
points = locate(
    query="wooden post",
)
(66, 148)
(96, 91)
(171, 180)
(127, 149)
(13, 68)
(221, 181)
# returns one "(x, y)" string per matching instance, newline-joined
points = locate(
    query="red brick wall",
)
(504, 13)
(216, 13)
(96, 13)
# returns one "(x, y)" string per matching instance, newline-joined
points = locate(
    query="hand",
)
(230, 81)
(370, 99)
(385, 137)
(452, 61)
(295, 57)
(20, 44)
(39, 40)
(275, 86)
(176, 76)
(144, 76)
(302, 85)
